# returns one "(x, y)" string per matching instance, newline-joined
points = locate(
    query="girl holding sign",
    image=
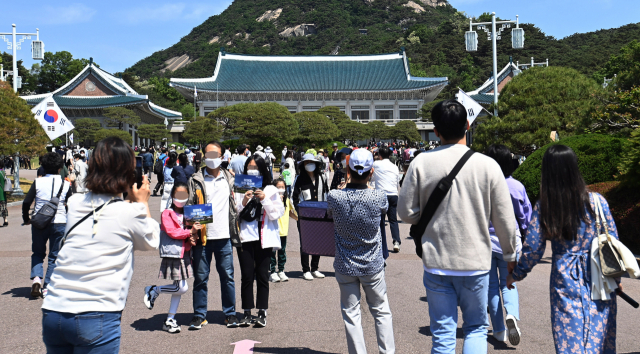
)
(259, 212)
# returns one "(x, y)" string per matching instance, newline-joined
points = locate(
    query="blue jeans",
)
(497, 284)
(202, 255)
(39, 238)
(444, 295)
(88, 332)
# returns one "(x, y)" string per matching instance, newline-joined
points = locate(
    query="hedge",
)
(598, 160)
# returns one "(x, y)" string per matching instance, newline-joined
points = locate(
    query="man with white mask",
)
(214, 185)
(310, 185)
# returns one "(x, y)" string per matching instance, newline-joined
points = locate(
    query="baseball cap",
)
(335, 144)
(361, 161)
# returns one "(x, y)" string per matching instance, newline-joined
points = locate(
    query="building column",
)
(396, 112)
(201, 109)
(372, 111)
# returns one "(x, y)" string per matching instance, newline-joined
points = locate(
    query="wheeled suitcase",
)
(316, 229)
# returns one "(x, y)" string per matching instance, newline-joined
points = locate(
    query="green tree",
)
(105, 133)
(407, 131)
(618, 112)
(425, 111)
(119, 116)
(535, 103)
(18, 122)
(315, 128)
(29, 82)
(334, 113)
(267, 122)
(155, 132)
(378, 130)
(85, 128)
(630, 163)
(625, 67)
(202, 130)
(352, 131)
(57, 69)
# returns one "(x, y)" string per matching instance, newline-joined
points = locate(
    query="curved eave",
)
(434, 84)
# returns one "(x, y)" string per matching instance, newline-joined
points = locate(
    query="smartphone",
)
(138, 171)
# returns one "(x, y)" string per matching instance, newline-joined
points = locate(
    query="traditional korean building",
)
(365, 87)
(93, 90)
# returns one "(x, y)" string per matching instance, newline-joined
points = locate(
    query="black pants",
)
(254, 263)
(159, 184)
(304, 258)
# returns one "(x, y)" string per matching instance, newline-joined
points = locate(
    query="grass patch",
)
(25, 185)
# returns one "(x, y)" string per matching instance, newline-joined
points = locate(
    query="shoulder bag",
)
(610, 261)
(434, 201)
(47, 212)
(7, 184)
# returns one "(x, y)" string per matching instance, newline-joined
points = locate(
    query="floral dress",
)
(579, 324)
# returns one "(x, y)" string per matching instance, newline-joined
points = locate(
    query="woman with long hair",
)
(260, 235)
(167, 171)
(565, 216)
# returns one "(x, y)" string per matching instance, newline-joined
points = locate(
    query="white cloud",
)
(64, 15)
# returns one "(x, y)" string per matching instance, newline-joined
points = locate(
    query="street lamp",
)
(37, 50)
(17, 191)
(517, 42)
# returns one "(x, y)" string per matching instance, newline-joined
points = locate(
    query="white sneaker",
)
(150, 296)
(500, 336)
(307, 276)
(171, 326)
(44, 292)
(317, 274)
(283, 277)
(514, 331)
(274, 278)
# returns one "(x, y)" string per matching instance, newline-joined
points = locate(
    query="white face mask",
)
(310, 167)
(180, 202)
(281, 191)
(213, 163)
(253, 173)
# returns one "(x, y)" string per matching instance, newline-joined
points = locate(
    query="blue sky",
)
(118, 33)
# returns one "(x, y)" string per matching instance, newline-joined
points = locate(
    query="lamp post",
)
(37, 50)
(517, 42)
(16, 173)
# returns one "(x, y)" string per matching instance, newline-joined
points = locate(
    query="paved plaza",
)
(304, 316)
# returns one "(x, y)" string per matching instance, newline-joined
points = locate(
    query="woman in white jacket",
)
(260, 235)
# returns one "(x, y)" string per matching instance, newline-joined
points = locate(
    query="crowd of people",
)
(473, 227)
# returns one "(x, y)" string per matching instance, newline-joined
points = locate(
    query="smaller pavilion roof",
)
(483, 94)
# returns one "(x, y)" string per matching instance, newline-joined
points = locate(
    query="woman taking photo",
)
(260, 235)
(167, 171)
(310, 185)
(94, 267)
(565, 216)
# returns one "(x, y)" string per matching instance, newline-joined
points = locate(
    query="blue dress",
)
(579, 324)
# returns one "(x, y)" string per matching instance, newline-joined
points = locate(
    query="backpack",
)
(393, 158)
(158, 166)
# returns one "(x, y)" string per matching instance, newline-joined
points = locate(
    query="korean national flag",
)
(473, 107)
(51, 118)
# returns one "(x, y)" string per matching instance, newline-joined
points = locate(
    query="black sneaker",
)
(231, 321)
(197, 323)
(261, 320)
(35, 290)
(246, 320)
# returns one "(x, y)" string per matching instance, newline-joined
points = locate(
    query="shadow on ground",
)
(24, 292)
(289, 350)
(298, 274)
(155, 323)
(426, 330)
(498, 345)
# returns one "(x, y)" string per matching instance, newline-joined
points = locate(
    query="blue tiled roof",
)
(77, 102)
(483, 99)
(244, 73)
(166, 113)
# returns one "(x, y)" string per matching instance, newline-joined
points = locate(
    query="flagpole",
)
(195, 95)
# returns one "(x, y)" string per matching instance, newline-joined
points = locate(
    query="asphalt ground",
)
(303, 317)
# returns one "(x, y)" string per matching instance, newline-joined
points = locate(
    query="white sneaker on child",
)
(514, 331)
(274, 278)
(171, 326)
(283, 277)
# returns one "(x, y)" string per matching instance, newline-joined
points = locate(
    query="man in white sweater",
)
(456, 246)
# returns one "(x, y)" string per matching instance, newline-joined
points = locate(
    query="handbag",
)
(436, 197)
(7, 184)
(252, 210)
(610, 262)
(47, 212)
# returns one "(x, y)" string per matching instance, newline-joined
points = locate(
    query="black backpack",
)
(158, 166)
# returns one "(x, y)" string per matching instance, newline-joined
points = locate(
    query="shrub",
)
(598, 159)
(624, 204)
(105, 133)
(630, 162)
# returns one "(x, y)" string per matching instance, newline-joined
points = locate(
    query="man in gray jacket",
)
(456, 245)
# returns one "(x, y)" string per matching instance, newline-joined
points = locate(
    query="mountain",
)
(432, 32)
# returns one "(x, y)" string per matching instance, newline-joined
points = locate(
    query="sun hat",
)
(259, 148)
(361, 161)
(309, 157)
(268, 150)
